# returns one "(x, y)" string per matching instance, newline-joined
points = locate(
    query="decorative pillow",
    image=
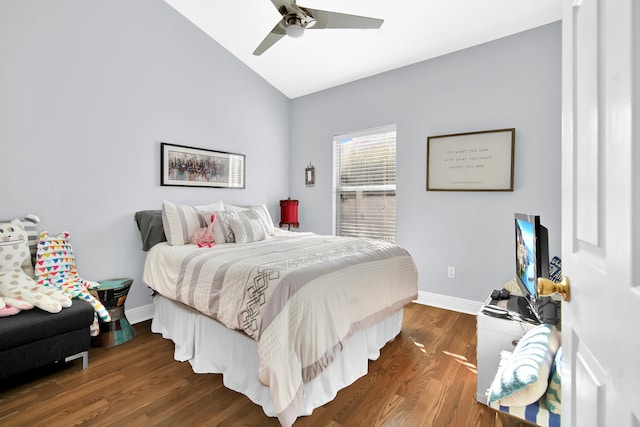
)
(232, 208)
(56, 268)
(14, 282)
(261, 210)
(555, 269)
(29, 223)
(524, 377)
(554, 397)
(151, 228)
(216, 206)
(222, 231)
(248, 227)
(181, 221)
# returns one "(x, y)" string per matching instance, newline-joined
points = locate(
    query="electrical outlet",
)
(451, 272)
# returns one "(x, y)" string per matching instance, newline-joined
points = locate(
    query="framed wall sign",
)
(473, 161)
(199, 167)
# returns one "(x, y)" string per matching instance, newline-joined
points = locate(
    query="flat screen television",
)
(532, 256)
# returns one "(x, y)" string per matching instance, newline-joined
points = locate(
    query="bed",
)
(287, 318)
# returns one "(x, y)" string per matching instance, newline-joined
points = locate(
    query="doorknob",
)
(548, 287)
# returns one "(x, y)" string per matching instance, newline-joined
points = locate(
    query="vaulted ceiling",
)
(413, 31)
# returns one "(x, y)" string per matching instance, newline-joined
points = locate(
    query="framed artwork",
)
(199, 167)
(473, 161)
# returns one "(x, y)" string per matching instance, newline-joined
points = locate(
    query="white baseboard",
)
(449, 303)
(140, 314)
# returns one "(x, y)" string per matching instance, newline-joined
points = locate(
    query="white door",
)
(601, 213)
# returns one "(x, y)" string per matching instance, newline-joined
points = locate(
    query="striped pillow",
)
(553, 396)
(261, 210)
(536, 413)
(181, 221)
(222, 232)
(523, 378)
(248, 227)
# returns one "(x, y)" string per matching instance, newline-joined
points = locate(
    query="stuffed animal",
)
(15, 303)
(6, 309)
(56, 267)
(204, 236)
(30, 222)
(17, 285)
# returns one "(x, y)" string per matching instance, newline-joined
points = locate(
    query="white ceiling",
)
(413, 31)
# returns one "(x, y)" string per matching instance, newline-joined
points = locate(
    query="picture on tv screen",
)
(525, 254)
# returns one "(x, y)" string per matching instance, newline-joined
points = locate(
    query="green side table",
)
(112, 294)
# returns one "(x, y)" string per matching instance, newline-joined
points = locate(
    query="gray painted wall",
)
(512, 82)
(88, 90)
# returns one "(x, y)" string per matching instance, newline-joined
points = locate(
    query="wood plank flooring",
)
(425, 377)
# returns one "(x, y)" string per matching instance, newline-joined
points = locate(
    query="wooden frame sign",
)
(473, 161)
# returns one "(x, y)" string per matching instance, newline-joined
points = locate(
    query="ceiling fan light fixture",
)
(295, 27)
(295, 31)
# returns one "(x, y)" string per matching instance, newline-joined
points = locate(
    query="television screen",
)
(526, 270)
(532, 262)
(532, 252)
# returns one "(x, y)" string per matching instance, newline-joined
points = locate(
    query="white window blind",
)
(365, 183)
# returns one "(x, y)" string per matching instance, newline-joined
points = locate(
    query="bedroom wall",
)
(88, 90)
(514, 82)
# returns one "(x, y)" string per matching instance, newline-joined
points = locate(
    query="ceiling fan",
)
(296, 19)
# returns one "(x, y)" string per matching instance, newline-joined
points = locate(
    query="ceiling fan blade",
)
(326, 19)
(276, 34)
(283, 5)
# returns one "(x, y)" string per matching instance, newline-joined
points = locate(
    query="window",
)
(364, 165)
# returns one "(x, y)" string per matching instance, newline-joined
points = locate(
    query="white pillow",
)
(228, 207)
(216, 206)
(181, 221)
(523, 377)
(260, 209)
(248, 230)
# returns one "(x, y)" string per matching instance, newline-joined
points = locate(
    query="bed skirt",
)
(211, 347)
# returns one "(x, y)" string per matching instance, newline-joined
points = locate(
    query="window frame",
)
(337, 190)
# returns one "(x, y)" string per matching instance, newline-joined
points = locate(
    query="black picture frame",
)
(185, 166)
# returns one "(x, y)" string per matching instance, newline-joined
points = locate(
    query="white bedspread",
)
(300, 295)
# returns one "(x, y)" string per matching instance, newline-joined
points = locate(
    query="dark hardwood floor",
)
(425, 377)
